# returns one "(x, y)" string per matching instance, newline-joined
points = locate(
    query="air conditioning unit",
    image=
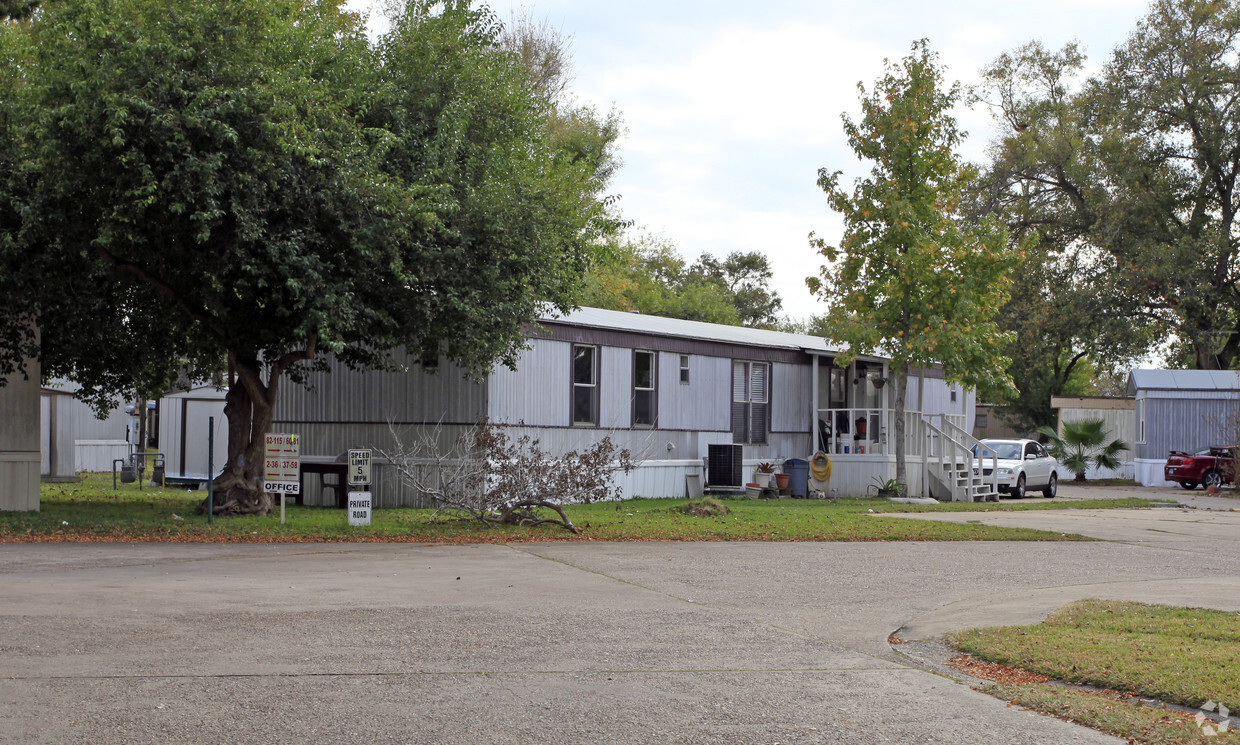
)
(723, 467)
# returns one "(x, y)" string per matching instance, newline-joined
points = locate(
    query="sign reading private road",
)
(359, 508)
(359, 467)
(282, 464)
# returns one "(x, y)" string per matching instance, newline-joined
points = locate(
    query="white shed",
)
(184, 423)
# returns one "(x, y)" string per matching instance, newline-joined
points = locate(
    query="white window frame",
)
(652, 391)
(592, 385)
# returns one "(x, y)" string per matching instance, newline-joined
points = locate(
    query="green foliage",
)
(746, 276)
(1083, 444)
(188, 182)
(17, 10)
(911, 278)
(649, 275)
(1127, 181)
(1066, 308)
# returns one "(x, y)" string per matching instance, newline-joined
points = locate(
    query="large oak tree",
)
(186, 183)
(1126, 181)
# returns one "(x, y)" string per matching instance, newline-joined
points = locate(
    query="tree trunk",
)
(900, 381)
(249, 406)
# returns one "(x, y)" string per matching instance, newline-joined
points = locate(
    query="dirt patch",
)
(970, 665)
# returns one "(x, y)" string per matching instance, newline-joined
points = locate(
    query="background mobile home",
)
(1181, 410)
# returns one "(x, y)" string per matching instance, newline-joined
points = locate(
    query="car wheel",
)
(1018, 491)
(1212, 478)
(1049, 491)
(1190, 485)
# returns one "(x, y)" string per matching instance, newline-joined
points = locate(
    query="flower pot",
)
(763, 480)
(782, 479)
(753, 491)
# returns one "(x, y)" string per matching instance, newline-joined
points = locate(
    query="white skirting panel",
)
(96, 456)
(658, 479)
(851, 476)
(1147, 472)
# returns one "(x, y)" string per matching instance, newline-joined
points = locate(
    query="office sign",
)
(282, 463)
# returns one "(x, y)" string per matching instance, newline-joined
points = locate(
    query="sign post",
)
(282, 466)
(359, 480)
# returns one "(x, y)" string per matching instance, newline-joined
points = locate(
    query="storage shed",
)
(74, 439)
(1181, 410)
(184, 423)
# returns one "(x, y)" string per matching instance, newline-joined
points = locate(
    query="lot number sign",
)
(282, 464)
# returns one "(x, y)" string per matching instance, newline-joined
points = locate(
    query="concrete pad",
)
(1033, 606)
(895, 707)
(566, 643)
(1197, 531)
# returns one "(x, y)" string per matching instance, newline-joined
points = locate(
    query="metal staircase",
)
(956, 461)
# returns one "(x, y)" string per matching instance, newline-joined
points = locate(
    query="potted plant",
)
(762, 474)
(888, 488)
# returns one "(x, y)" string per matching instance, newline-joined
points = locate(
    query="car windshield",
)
(1005, 450)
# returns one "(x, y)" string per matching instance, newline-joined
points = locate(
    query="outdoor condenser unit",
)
(723, 467)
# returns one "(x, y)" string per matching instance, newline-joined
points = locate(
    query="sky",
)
(731, 108)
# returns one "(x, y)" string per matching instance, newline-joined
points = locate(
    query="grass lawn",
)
(1185, 656)
(94, 511)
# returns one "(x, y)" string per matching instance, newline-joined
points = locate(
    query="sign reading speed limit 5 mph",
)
(359, 467)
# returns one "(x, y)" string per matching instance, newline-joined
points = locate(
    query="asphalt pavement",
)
(556, 642)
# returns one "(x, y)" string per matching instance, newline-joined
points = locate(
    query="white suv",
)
(1024, 465)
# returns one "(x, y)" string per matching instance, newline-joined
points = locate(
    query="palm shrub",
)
(1084, 443)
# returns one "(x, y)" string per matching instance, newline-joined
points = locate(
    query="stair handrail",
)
(947, 443)
(976, 447)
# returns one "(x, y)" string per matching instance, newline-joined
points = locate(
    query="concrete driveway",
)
(536, 643)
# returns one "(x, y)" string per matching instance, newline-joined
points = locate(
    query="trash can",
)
(798, 469)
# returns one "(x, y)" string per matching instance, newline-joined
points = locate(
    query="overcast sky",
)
(732, 107)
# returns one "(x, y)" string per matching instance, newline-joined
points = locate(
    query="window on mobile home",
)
(645, 398)
(750, 401)
(585, 384)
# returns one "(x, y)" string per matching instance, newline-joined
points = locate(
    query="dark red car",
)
(1210, 466)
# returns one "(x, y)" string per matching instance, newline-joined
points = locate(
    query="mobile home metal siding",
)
(790, 395)
(57, 448)
(1182, 423)
(615, 380)
(19, 441)
(538, 392)
(702, 405)
(408, 394)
